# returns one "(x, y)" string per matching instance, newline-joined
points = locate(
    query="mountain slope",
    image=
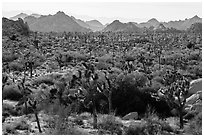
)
(117, 26)
(180, 25)
(81, 22)
(195, 28)
(152, 22)
(95, 25)
(183, 24)
(59, 22)
(21, 15)
(35, 15)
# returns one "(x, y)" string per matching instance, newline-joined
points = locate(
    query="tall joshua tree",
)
(175, 95)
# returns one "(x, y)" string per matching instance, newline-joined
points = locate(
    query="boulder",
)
(195, 86)
(131, 116)
(193, 105)
(193, 101)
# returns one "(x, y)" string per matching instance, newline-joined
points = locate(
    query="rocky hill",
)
(95, 25)
(117, 26)
(195, 28)
(21, 15)
(59, 22)
(10, 27)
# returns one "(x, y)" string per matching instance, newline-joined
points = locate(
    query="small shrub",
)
(150, 125)
(78, 121)
(195, 126)
(156, 126)
(85, 115)
(135, 130)
(9, 129)
(110, 123)
(11, 92)
(8, 110)
(8, 57)
(61, 126)
(43, 79)
(22, 125)
(16, 66)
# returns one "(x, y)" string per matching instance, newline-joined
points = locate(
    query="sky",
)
(106, 12)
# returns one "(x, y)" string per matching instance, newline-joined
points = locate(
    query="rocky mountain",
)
(64, 22)
(152, 22)
(95, 25)
(59, 22)
(21, 15)
(195, 28)
(183, 24)
(179, 25)
(10, 27)
(81, 22)
(117, 26)
(30, 19)
(160, 27)
(35, 15)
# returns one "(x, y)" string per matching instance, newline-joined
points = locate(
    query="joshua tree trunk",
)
(110, 102)
(144, 67)
(159, 62)
(181, 118)
(38, 123)
(94, 116)
(26, 107)
(31, 72)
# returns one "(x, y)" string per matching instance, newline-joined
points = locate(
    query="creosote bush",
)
(150, 125)
(110, 123)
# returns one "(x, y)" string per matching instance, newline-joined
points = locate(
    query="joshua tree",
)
(91, 85)
(146, 63)
(175, 95)
(108, 90)
(59, 60)
(33, 104)
(29, 65)
(4, 81)
(35, 42)
(26, 92)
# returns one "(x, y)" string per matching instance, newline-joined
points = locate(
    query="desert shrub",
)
(158, 79)
(61, 125)
(129, 96)
(194, 56)
(156, 126)
(150, 125)
(110, 123)
(9, 129)
(105, 58)
(195, 125)
(8, 109)
(43, 79)
(78, 120)
(195, 70)
(8, 57)
(11, 92)
(156, 85)
(85, 115)
(22, 125)
(16, 66)
(18, 125)
(102, 65)
(135, 130)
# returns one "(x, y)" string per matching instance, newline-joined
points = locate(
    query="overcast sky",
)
(106, 12)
